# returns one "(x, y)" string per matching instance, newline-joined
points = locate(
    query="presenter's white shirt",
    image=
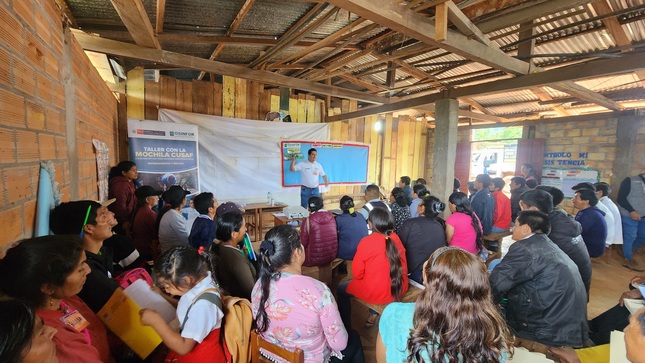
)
(310, 172)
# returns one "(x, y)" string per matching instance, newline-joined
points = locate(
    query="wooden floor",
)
(609, 280)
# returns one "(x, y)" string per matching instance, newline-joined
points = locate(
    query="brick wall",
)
(33, 112)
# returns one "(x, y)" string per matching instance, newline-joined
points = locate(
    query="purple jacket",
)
(319, 238)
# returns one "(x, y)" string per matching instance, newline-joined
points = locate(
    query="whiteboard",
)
(565, 179)
(343, 163)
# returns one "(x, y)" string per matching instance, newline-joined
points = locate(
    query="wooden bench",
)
(323, 273)
(493, 237)
(410, 296)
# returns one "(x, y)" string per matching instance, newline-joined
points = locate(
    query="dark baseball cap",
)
(227, 207)
(174, 194)
(146, 191)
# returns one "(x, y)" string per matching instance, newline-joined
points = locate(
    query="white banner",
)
(240, 160)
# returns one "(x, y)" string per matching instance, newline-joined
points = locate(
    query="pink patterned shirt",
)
(303, 314)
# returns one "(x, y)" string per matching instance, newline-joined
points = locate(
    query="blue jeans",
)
(633, 235)
(306, 193)
(499, 230)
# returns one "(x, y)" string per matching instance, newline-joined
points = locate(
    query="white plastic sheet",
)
(239, 160)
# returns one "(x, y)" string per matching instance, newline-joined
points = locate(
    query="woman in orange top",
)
(379, 268)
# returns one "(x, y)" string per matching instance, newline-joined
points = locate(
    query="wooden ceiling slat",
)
(161, 10)
(127, 50)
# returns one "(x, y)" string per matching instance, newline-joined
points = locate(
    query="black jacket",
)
(565, 232)
(547, 302)
(515, 201)
(421, 236)
(483, 205)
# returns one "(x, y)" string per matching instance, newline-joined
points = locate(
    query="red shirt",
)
(502, 213)
(71, 345)
(371, 270)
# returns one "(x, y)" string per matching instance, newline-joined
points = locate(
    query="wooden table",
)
(255, 211)
(281, 218)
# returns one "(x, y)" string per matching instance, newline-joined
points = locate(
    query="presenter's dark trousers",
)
(306, 193)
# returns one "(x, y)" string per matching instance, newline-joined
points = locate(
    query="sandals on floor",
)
(371, 321)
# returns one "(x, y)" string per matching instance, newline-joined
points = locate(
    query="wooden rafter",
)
(296, 57)
(302, 28)
(359, 82)
(626, 64)
(616, 31)
(135, 18)
(97, 44)
(416, 26)
(161, 11)
(542, 95)
(231, 29)
(465, 26)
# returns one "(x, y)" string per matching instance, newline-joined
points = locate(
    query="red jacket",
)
(502, 213)
(123, 190)
(371, 270)
(320, 239)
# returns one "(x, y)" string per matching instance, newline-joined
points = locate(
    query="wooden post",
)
(445, 148)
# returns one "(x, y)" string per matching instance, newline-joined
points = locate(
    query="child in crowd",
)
(202, 232)
(186, 272)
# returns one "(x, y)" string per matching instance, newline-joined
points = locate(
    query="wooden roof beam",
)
(416, 26)
(299, 30)
(598, 68)
(135, 18)
(161, 11)
(297, 57)
(465, 26)
(127, 50)
(613, 27)
(231, 29)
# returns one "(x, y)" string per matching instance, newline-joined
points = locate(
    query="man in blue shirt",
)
(592, 219)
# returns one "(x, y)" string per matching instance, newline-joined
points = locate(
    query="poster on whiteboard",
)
(166, 154)
(564, 179)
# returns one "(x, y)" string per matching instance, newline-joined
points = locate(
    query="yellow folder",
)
(121, 315)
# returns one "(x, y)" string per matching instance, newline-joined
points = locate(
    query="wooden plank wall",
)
(400, 149)
(234, 97)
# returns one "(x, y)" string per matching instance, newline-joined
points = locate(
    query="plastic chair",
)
(257, 343)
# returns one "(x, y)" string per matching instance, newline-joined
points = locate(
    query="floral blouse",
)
(302, 314)
(400, 214)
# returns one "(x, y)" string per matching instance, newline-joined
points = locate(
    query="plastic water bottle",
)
(269, 198)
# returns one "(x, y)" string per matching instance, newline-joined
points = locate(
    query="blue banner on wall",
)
(165, 153)
(343, 163)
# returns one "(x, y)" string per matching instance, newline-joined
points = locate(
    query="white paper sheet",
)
(141, 292)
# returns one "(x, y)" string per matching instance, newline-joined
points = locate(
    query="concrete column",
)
(626, 134)
(70, 115)
(445, 149)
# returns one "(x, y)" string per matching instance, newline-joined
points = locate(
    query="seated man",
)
(372, 201)
(502, 211)
(609, 217)
(404, 183)
(94, 222)
(602, 191)
(565, 231)
(483, 203)
(518, 186)
(547, 302)
(203, 229)
(592, 219)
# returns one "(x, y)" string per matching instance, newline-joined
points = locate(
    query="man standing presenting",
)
(631, 203)
(310, 171)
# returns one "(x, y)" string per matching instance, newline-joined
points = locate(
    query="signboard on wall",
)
(166, 154)
(565, 179)
(343, 163)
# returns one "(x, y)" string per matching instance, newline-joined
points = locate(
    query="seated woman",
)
(463, 228)
(172, 227)
(47, 273)
(24, 338)
(453, 320)
(380, 269)
(235, 272)
(352, 227)
(318, 235)
(423, 235)
(292, 310)
(143, 225)
(399, 207)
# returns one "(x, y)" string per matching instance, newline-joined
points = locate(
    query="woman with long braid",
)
(292, 310)
(380, 269)
(463, 228)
